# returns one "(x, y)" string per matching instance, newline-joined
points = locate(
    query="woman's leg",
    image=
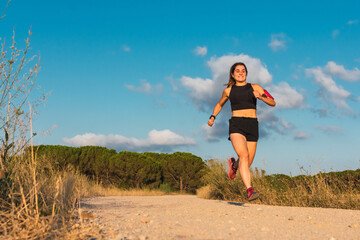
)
(252, 150)
(241, 148)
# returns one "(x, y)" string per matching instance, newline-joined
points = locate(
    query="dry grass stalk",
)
(59, 195)
(99, 190)
(30, 207)
(320, 190)
(205, 192)
(18, 221)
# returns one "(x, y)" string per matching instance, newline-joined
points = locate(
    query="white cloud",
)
(278, 41)
(352, 22)
(201, 90)
(286, 96)
(328, 130)
(340, 72)
(218, 131)
(126, 48)
(330, 90)
(257, 72)
(322, 112)
(270, 122)
(205, 93)
(145, 87)
(335, 33)
(174, 83)
(300, 135)
(202, 51)
(164, 140)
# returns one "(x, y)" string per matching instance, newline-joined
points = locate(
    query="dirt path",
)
(189, 217)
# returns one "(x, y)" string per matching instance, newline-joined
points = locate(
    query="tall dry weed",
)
(36, 201)
(40, 200)
(337, 190)
(56, 211)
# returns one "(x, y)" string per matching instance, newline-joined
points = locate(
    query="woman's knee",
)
(244, 157)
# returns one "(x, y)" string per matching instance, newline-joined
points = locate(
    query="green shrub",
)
(166, 188)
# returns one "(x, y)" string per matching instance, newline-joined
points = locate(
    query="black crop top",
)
(242, 97)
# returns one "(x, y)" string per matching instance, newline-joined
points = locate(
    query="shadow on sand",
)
(237, 204)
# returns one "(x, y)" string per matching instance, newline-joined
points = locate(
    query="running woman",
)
(243, 125)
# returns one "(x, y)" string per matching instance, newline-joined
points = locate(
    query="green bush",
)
(166, 188)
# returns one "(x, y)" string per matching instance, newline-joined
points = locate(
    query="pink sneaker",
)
(232, 170)
(252, 195)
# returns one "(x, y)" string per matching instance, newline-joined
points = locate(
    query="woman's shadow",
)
(237, 204)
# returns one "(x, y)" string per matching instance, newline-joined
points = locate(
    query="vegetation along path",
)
(189, 217)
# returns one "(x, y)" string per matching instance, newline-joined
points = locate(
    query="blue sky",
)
(145, 75)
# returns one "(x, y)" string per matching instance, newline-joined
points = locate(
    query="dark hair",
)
(232, 69)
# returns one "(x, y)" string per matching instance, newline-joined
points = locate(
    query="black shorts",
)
(249, 127)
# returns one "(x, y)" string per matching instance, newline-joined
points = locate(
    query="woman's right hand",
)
(211, 122)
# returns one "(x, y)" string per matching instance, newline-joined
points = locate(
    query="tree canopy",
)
(182, 171)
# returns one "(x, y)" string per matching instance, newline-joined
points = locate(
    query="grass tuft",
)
(327, 190)
(54, 211)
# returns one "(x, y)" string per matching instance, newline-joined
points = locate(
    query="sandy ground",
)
(189, 217)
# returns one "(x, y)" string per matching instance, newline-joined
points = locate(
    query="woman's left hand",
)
(257, 95)
(211, 122)
(268, 100)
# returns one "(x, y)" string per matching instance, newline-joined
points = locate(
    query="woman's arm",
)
(219, 105)
(263, 95)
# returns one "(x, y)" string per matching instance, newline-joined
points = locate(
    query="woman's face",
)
(239, 73)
